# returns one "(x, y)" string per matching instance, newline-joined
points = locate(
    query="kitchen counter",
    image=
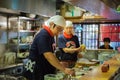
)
(97, 74)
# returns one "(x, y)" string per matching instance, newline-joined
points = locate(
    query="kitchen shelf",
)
(22, 44)
(27, 31)
(24, 30)
(74, 17)
(10, 66)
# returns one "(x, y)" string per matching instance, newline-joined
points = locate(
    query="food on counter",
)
(53, 77)
(83, 47)
(105, 67)
(85, 62)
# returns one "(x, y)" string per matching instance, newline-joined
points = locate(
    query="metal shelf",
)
(10, 66)
(26, 31)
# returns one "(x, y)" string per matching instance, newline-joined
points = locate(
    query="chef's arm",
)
(71, 50)
(51, 58)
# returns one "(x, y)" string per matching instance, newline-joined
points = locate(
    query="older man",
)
(42, 61)
(69, 46)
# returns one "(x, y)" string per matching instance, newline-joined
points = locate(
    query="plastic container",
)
(53, 77)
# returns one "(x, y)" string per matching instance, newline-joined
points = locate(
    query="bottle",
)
(72, 12)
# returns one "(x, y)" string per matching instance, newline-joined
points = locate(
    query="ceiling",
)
(112, 3)
(106, 8)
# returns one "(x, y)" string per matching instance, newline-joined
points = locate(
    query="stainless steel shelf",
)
(26, 31)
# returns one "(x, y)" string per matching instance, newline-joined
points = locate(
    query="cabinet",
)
(21, 34)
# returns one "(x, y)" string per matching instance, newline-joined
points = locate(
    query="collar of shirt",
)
(67, 35)
(48, 30)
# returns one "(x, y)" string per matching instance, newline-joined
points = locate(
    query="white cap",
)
(69, 24)
(57, 19)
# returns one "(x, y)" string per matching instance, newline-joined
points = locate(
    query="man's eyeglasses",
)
(59, 28)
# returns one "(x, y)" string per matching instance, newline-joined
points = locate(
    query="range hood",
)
(9, 11)
(39, 7)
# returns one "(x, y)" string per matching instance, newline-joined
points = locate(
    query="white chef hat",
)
(57, 19)
(69, 24)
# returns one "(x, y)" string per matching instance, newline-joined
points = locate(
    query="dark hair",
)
(106, 40)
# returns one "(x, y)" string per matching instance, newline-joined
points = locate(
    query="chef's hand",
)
(69, 71)
(83, 48)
